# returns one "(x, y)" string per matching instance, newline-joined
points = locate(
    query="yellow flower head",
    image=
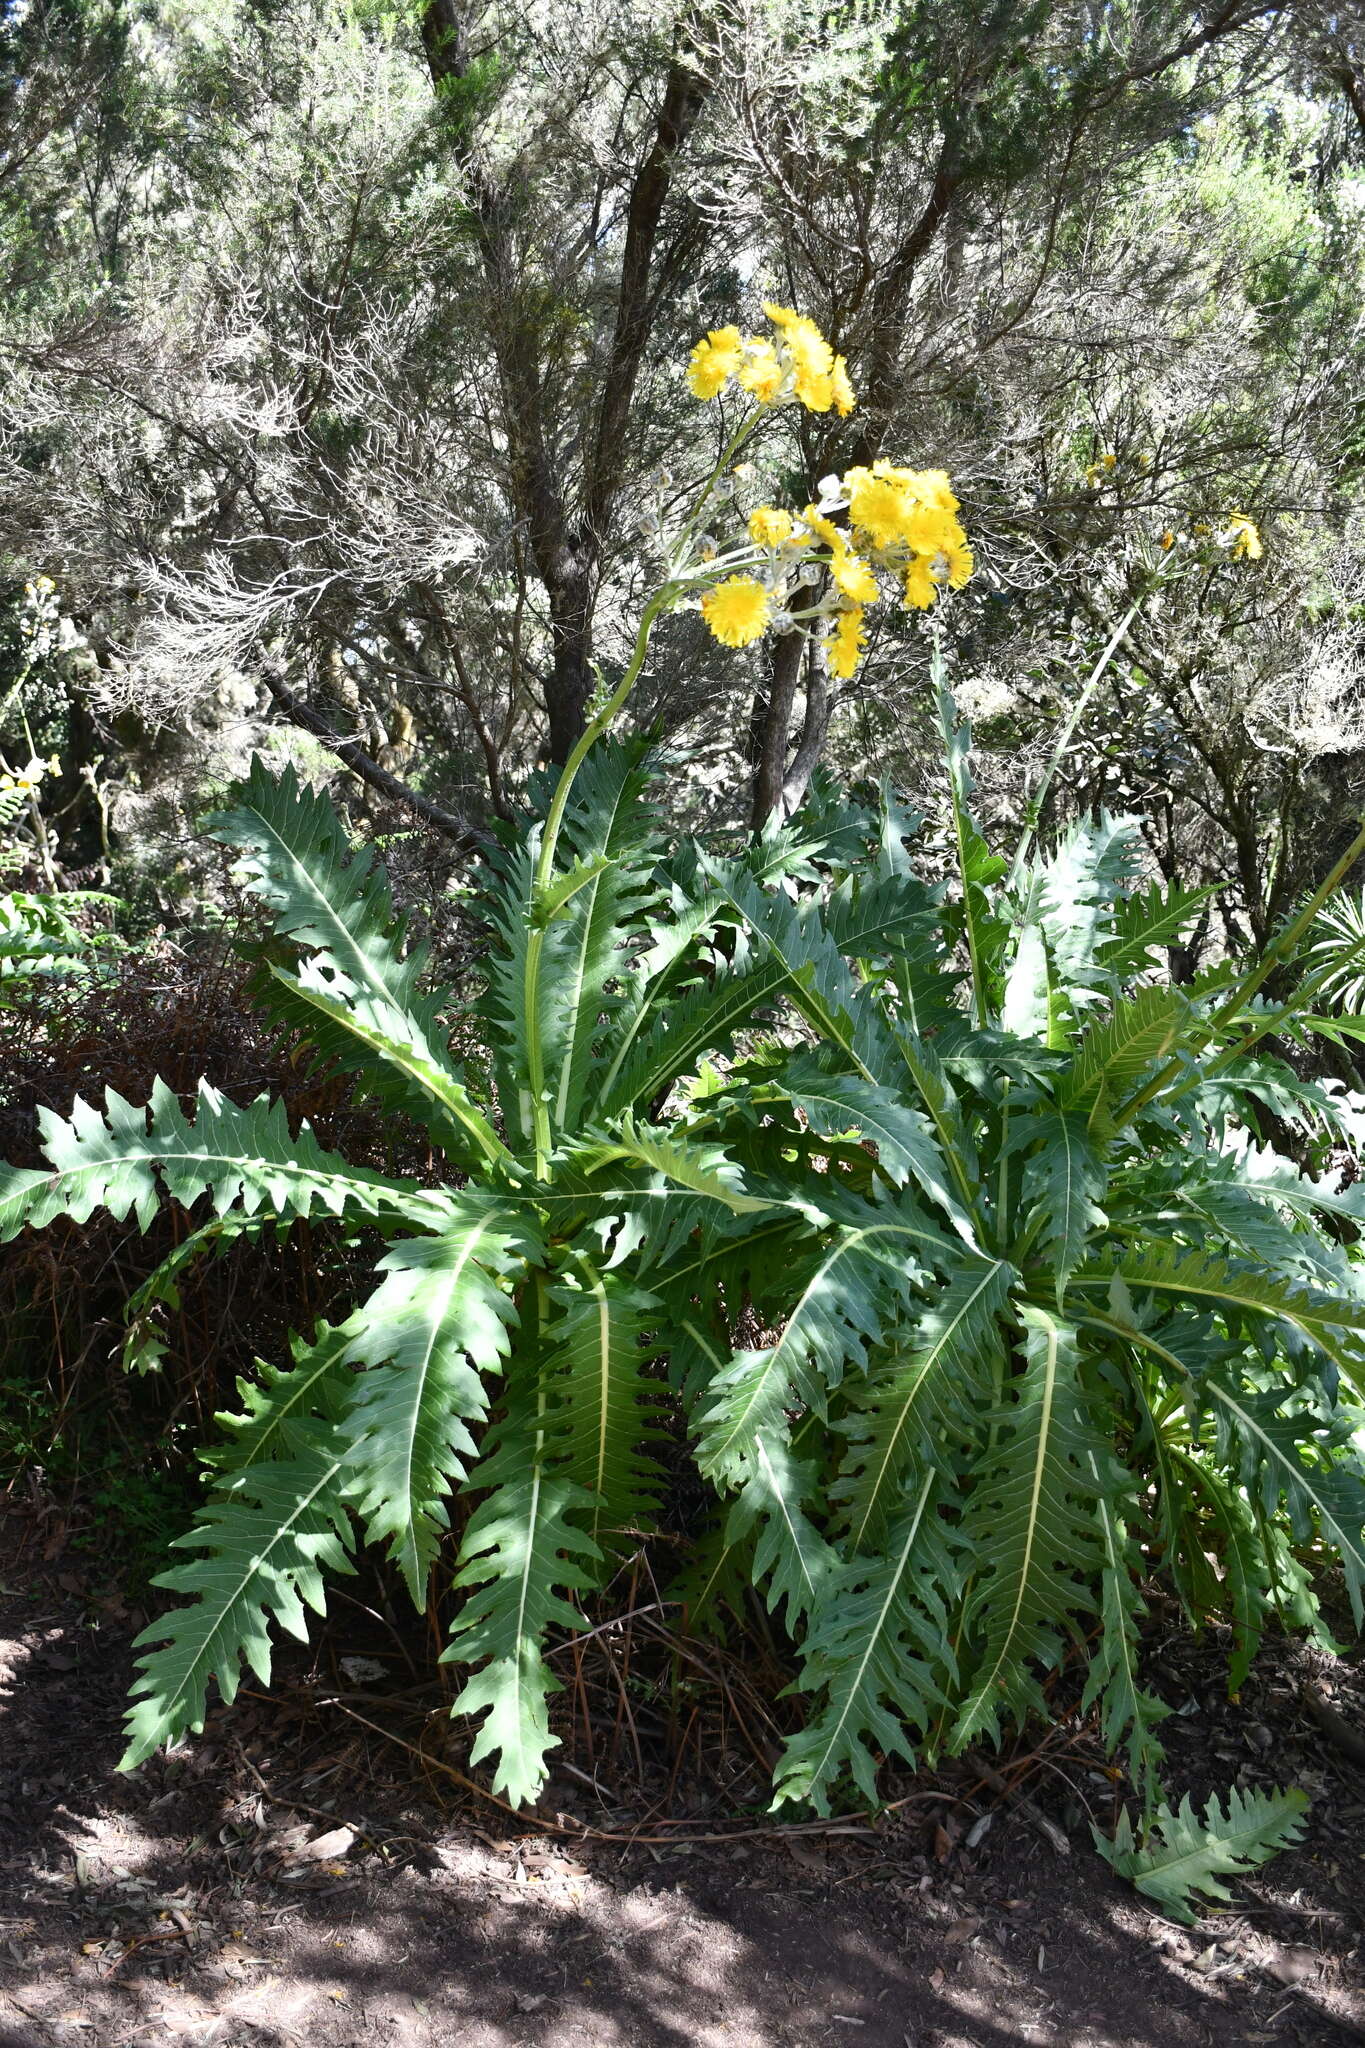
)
(1244, 543)
(761, 373)
(1167, 541)
(802, 339)
(931, 487)
(853, 576)
(878, 502)
(1109, 461)
(850, 572)
(910, 509)
(958, 561)
(768, 527)
(799, 364)
(714, 360)
(737, 611)
(920, 586)
(927, 531)
(846, 645)
(824, 529)
(810, 360)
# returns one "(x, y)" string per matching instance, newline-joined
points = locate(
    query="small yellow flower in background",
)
(845, 399)
(1243, 539)
(1109, 461)
(768, 527)
(845, 646)
(920, 587)
(714, 360)
(1167, 541)
(737, 611)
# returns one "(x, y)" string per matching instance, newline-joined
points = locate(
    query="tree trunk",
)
(770, 772)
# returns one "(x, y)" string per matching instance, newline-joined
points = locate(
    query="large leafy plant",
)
(887, 1182)
(1043, 1315)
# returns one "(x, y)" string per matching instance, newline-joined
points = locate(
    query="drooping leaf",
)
(1129, 1713)
(1182, 1857)
(604, 1413)
(430, 1335)
(378, 1024)
(525, 1550)
(840, 1298)
(877, 1651)
(788, 1551)
(269, 1532)
(1031, 1525)
(1064, 1179)
(1119, 1050)
(921, 1405)
(127, 1160)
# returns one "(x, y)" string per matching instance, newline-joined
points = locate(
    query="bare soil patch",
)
(296, 1877)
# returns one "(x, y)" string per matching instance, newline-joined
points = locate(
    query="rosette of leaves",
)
(1046, 1318)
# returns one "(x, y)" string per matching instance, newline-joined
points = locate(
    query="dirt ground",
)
(296, 1877)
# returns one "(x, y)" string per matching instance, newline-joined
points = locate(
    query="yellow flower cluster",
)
(1239, 538)
(901, 525)
(907, 520)
(872, 524)
(847, 643)
(1242, 539)
(799, 364)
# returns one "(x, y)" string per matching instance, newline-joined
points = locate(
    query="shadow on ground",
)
(188, 1903)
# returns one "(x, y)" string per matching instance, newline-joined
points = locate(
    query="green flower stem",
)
(1063, 742)
(535, 946)
(663, 600)
(957, 792)
(1245, 990)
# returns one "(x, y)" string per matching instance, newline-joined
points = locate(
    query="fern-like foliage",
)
(878, 1653)
(1183, 1858)
(358, 996)
(431, 1335)
(276, 1520)
(920, 1216)
(1033, 1529)
(525, 1551)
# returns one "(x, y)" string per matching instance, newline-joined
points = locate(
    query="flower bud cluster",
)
(872, 528)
